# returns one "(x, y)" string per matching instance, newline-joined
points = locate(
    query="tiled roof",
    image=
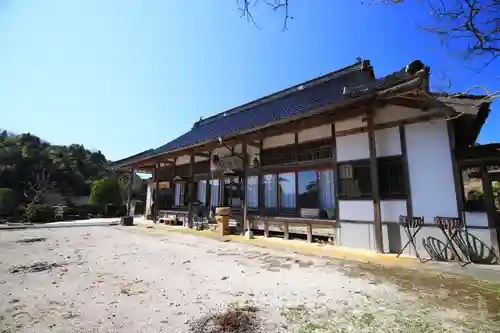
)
(126, 160)
(294, 101)
(347, 83)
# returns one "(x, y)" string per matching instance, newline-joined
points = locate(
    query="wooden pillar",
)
(245, 226)
(379, 245)
(296, 152)
(457, 175)
(260, 185)
(157, 189)
(208, 190)
(406, 172)
(190, 190)
(130, 186)
(490, 209)
(336, 181)
(309, 232)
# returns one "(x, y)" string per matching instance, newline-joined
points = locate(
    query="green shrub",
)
(38, 213)
(65, 213)
(105, 191)
(90, 210)
(6, 202)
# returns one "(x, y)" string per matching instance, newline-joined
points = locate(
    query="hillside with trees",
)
(31, 167)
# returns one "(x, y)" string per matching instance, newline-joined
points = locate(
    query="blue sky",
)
(123, 76)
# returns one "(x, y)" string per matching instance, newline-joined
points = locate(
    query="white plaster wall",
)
(387, 142)
(349, 124)
(392, 209)
(476, 219)
(185, 159)
(360, 236)
(315, 133)
(362, 210)
(430, 168)
(356, 210)
(238, 148)
(279, 140)
(182, 160)
(395, 112)
(352, 147)
(200, 158)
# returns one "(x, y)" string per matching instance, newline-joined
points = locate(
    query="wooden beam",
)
(309, 232)
(244, 192)
(190, 191)
(296, 152)
(320, 116)
(286, 231)
(204, 155)
(490, 209)
(254, 144)
(379, 245)
(457, 176)
(406, 172)
(129, 191)
(157, 189)
(209, 186)
(336, 182)
(309, 122)
(260, 185)
(418, 119)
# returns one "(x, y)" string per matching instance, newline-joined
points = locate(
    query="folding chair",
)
(412, 227)
(452, 227)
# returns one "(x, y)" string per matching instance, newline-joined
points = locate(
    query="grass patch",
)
(441, 290)
(320, 320)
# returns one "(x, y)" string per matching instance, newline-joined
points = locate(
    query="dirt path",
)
(114, 279)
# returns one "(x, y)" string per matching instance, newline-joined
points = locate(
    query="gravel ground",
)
(119, 279)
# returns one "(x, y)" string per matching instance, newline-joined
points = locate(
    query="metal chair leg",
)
(411, 241)
(412, 226)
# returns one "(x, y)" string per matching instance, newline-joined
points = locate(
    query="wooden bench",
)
(169, 217)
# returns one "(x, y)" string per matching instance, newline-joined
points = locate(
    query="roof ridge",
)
(363, 65)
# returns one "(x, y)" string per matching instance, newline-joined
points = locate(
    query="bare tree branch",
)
(470, 26)
(474, 24)
(246, 6)
(38, 184)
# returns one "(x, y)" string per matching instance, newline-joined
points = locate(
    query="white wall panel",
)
(388, 142)
(279, 140)
(430, 167)
(349, 124)
(356, 210)
(476, 219)
(182, 160)
(315, 133)
(392, 209)
(353, 147)
(395, 112)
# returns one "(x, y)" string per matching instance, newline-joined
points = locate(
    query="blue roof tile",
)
(294, 101)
